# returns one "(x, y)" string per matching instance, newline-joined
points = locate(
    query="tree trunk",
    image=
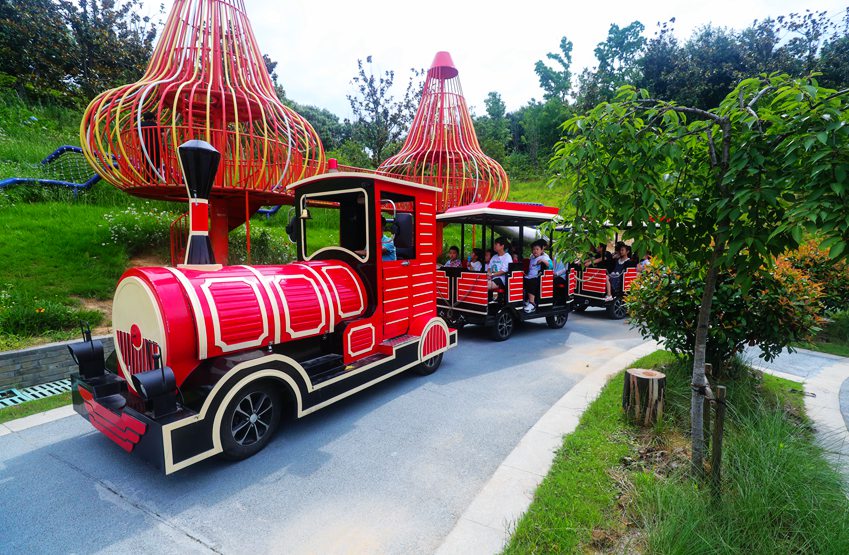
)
(643, 394)
(699, 381)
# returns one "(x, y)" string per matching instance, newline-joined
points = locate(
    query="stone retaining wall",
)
(42, 364)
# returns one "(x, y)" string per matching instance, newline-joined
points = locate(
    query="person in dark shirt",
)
(153, 146)
(616, 270)
(599, 257)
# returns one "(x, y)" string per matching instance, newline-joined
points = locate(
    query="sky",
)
(494, 44)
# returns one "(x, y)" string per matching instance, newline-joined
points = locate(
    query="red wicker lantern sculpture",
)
(206, 80)
(442, 148)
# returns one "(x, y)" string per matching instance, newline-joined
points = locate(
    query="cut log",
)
(642, 395)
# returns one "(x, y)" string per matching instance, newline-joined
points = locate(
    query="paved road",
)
(389, 470)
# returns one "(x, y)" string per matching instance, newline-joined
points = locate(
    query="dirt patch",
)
(147, 260)
(663, 455)
(105, 308)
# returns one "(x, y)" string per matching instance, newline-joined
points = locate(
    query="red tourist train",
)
(243, 346)
(464, 296)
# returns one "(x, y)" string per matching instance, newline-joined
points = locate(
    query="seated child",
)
(476, 264)
(387, 242)
(539, 262)
(499, 264)
(487, 256)
(453, 258)
(616, 271)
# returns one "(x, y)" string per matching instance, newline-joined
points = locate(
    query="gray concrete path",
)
(826, 382)
(389, 470)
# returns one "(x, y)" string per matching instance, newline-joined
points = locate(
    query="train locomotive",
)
(208, 358)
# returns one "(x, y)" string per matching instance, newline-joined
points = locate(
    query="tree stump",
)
(642, 395)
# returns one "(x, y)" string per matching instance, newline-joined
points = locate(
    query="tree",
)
(617, 64)
(113, 43)
(834, 58)
(557, 83)
(493, 130)
(36, 48)
(660, 62)
(379, 119)
(271, 68)
(739, 184)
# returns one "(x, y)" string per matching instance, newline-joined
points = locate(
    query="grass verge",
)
(576, 502)
(833, 338)
(621, 489)
(34, 407)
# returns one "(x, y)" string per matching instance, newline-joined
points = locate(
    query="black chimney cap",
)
(199, 161)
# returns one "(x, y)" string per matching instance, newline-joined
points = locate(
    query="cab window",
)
(334, 221)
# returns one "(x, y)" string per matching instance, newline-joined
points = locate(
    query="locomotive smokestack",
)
(199, 162)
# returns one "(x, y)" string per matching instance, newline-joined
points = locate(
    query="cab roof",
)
(499, 212)
(358, 175)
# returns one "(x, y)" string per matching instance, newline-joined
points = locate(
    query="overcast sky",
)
(494, 44)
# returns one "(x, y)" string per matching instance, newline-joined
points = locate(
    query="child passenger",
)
(453, 258)
(487, 256)
(476, 263)
(616, 271)
(539, 262)
(499, 264)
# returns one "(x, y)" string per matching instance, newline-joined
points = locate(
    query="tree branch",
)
(683, 109)
(711, 148)
(758, 96)
(830, 97)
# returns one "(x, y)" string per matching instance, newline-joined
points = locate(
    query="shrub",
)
(781, 306)
(830, 275)
(140, 227)
(266, 248)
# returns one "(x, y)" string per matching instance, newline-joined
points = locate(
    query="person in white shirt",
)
(539, 262)
(499, 264)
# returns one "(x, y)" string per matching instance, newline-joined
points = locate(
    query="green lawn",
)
(579, 494)
(537, 191)
(615, 488)
(34, 407)
(834, 337)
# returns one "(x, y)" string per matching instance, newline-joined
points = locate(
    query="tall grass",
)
(29, 132)
(780, 496)
(615, 488)
(779, 493)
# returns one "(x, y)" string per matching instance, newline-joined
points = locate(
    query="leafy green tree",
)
(739, 184)
(113, 42)
(713, 60)
(660, 62)
(351, 153)
(271, 68)
(36, 49)
(782, 306)
(493, 130)
(617, 64)
(834, 58)
(379, 119)
(556, 82)
(536, 128)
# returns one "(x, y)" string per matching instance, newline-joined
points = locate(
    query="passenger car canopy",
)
(499, 212)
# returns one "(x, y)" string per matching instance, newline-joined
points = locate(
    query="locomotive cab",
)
(210, 357)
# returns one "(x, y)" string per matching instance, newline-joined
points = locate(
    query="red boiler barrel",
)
(196, 314)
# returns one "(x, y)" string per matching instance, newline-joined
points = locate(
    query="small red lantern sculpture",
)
(442, 148)
(206, 80)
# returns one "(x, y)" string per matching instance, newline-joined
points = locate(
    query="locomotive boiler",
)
(209, 359)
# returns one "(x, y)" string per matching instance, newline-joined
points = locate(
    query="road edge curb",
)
(487, 522)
